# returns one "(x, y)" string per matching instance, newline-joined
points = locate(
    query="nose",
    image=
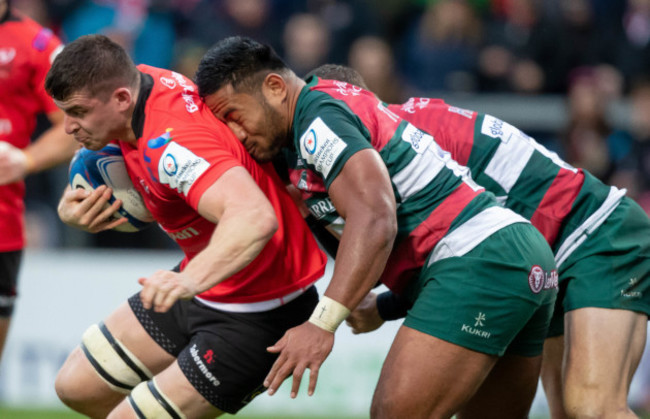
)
(239, 132)
(70, 125)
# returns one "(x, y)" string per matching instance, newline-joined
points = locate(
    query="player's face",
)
(256, 123)
(93, 121)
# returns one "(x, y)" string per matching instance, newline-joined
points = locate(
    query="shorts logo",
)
(475, 330)
(629, 291)
(194, 352)
(539, 279)
(209, 356)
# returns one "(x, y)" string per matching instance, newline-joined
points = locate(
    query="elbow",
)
(384, 226)
(266, 224)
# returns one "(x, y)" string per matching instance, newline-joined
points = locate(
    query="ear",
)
(274, 88)
(123, 97)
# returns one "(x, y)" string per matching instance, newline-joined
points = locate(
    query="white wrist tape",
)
(329, 314)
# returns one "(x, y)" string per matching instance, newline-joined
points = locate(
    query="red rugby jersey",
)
(182, 150)
(26, 51)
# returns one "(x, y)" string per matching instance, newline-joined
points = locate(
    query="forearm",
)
(235, 243)
(361, 258)
(52, 148)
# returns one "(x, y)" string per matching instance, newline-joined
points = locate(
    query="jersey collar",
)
(137, 122)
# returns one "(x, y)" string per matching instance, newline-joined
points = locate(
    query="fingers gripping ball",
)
(90, 169)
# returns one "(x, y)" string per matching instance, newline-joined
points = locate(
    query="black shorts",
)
(223, 354)
(9, 266)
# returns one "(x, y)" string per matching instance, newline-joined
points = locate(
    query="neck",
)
(294, 87)
(130, 136)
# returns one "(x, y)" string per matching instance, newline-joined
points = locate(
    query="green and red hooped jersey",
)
(434, 194)
(182, 150)
(563, 202)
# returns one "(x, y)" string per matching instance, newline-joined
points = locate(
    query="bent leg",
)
(551, 375)
(603, 350)
(508, 391)
(79, 384)
(424, 376)
(168, 395)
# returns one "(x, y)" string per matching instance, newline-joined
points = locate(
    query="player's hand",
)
(89, 210)
(163, 288)
(365, 318)
(302, 347)
(14, 164)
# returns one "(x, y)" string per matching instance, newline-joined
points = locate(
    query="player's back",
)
(561, 201)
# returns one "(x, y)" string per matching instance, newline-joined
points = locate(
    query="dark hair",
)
(92, 63)
(340, 73)
(238, 61)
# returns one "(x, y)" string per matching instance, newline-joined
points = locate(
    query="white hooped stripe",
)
(473, 231)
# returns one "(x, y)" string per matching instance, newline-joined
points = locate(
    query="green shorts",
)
(497, 298)
(610, 269)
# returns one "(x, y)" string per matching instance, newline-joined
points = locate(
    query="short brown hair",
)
(92, 63)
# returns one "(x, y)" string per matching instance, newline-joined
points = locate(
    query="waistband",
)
(256, 306)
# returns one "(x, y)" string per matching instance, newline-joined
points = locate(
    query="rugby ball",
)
(90, 169)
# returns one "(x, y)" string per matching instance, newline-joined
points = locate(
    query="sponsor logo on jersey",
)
(460, 111)
(476, 328)
(188, 92)
(186, 233)
(419, 140)
(320, 146)
(346, 89)
(321, 208)
(539, 279)
(494, 127)
(157, 142)
(185, 169)
(194, 352)
(7, 55)
(169, 83)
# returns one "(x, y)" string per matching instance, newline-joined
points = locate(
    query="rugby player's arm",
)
(51, 148)
(362, 194)
(245, 221)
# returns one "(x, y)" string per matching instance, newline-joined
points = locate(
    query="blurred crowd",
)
(591, 53)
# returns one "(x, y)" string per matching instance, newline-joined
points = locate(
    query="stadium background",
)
(575, 74)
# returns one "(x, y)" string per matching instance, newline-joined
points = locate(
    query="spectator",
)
(439, 53)
(373, 58)
(306, 42)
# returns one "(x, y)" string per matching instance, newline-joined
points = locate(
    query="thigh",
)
(604, 346)
(226, 360)
(9, 267)
(112, 358)
(424, 376)
(507, 392)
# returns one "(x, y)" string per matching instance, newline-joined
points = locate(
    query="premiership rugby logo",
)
(539, 279)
